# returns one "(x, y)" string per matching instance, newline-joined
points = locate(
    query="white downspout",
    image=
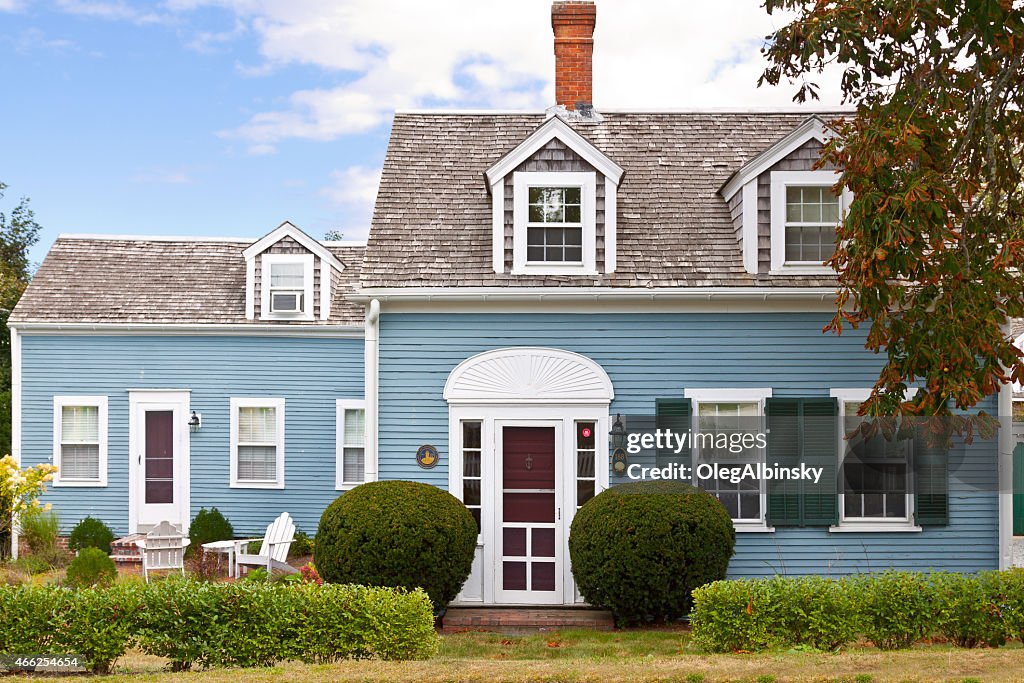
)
(15, 420)
(371, 383)
(1006, 446)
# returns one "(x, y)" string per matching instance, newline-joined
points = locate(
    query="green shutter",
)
(931, 482)
(1018, 490)
(674, 414)
(784, 506)
(803, 431)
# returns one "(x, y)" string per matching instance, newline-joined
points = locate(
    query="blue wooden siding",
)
(309, 373)
(659, 355)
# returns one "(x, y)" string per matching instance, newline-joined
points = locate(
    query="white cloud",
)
(114, 10)
(354, 191)
(10, 5)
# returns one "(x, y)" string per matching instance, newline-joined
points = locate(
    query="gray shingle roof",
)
(158, 281)
(432, 222)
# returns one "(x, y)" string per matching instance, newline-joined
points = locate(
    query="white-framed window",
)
(875, 475)
(472, 469)
(805, 213)
(287, 287)
(257, 443)
(554, 223)
(741, 411)
(351, 443)
(80, 440)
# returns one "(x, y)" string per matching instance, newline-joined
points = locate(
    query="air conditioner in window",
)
(286, 302)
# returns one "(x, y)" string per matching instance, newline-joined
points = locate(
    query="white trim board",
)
(554, 127)
(286, 229)
(215, 329)
(101, 404)
(811, 129)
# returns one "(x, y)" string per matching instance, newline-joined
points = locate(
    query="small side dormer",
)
(554, 205)
(289, 276)
(784, 209)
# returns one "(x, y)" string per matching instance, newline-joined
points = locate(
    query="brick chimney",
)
(573, 22)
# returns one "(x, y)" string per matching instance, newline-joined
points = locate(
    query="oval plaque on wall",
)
(426, 456)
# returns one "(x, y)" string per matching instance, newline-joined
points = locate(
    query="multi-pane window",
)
(742, 498)
(79, 443)
(586, 454)
(471, 474)
(812, 214)
(351, 443)
(287, 287)
(257, 442)
(554, 229)
(875, 472)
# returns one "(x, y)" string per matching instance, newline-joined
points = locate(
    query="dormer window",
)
(805, 214)
(554, 223)
(287, 286)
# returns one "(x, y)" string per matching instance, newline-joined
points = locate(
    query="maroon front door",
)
(529, 566)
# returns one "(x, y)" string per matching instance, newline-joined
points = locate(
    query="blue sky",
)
(226, 117)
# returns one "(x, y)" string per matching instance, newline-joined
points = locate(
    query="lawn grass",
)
(630, 656)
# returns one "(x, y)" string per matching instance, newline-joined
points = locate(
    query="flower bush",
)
(20, 490)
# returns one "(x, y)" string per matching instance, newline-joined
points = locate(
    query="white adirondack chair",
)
(163, 548)
(273, 552)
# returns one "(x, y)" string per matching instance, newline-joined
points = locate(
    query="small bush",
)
(41, 532)
(640, 549)
(969, 608)
(91, 533)
(398, 533)
(301, 546)
(734, 615)
(99, 623)
(816, 611)
(1012, 604)
(208, 526)
(92, 567)
(179, 622)
(896, 608)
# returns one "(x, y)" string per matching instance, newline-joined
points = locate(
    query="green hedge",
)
(891, 609)
(201, 624)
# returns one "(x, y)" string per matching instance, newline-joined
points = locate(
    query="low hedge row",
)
(891, 609)
(201, 624)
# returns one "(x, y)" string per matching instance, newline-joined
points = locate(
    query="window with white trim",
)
(805, 215)
(80, 440)
(472, 473)
(875, 472)
(287, 286)
(725, 411)
(554, 223)
(257, 442)
(351, 445)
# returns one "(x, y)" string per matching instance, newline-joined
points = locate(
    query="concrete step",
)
(526, 619)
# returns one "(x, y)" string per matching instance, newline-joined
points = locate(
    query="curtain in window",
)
(257, 443)
(80, 442)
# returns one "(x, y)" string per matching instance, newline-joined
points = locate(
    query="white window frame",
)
(522, 182)
(269, 260)
(249, 402)
(780, 181)
(99, 402)
(342, 405)
(735, 395)
(869, 524)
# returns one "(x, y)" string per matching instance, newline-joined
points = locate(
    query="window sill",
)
(553, 270)
(801, 269)
(96, 483)
(288, 316)
(256, 485)
(876, 528)
(753, 528)
(347, 487)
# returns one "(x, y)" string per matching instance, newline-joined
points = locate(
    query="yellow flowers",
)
(20, 489)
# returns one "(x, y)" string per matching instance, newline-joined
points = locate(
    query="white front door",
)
(528, 513)
(158, 459)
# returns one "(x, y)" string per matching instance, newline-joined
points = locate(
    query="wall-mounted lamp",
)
(195, 422)
(618, 434)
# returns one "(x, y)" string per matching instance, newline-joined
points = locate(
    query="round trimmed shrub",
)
(91, 533)
(399, 534)
(91, 567)
(639, 549)
(207, 527)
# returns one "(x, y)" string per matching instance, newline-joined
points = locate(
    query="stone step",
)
(526, 619)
